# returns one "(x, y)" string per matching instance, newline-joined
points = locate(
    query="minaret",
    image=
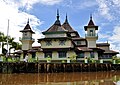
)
(91, 35)
(27, 39)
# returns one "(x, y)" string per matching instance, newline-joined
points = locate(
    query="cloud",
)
(104, 9)
(103, 36)
(28, 4)
(109, 9)
(17, 20)
(15, 11)
(87, 4)
(115, 38)
(79, 4)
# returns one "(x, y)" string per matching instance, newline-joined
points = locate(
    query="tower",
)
(91, 35)
(27, 39)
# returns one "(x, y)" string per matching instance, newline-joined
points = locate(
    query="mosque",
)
(63, 43)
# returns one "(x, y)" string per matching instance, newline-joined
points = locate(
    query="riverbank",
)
(37, 67)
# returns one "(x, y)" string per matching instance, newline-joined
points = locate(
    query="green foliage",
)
(48, 58)
(73, 58)
(117, 60)
(3, 41)
(32, 60)
(63, 61)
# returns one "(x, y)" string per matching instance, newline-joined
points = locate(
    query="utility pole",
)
(7, 38)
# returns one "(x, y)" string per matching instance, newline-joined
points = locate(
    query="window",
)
(78, 42)
(92, 54)
(48, 42)
(91, 33)
(62, 42)
(80, 55)
(48, 54)
(107, 56)
(91, 30)
(25, 34)
(33, 55)
(62, 54)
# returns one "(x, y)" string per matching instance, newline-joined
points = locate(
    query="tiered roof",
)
(56, 27)
(91, 24)
(27, 28)
(67, 26)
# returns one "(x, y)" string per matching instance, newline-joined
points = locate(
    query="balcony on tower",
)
(91, 35)
(26, 38)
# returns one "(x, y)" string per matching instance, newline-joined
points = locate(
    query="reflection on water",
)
(85, 78)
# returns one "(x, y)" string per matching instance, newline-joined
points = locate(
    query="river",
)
(80, 78)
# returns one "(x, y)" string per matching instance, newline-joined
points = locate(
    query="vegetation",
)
(11, 42)
(73, 58)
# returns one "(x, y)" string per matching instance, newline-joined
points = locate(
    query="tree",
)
(16, 46)
(3, 41)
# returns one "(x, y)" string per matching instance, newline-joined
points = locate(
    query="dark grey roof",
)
(27, 28)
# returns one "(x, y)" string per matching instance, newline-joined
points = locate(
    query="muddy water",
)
(85, 78)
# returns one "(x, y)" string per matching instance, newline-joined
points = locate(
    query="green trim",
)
(54, 32)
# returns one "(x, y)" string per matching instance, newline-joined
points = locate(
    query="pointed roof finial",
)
(91, 23)
(57, 22)
(57, 14)
(91, 16)
(66, 15)
(28, 21)
(66, 20)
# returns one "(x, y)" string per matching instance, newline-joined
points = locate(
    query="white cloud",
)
(79, 4)
(87, 4)
(109, 9)
(115, 38)
(29, 3)
(116, 2)
(18, 20)
(104, 9)
(102, 36)
(50, 2)
(14, 10)
(112, 37)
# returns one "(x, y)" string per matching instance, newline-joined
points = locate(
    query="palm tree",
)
(3, 40)
(15, 45)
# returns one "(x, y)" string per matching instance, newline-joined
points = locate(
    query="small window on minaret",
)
(25, 34)
(91, 32)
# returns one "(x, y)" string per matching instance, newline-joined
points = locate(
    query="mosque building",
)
(62, 42)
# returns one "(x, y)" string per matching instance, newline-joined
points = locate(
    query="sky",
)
(42, 14)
